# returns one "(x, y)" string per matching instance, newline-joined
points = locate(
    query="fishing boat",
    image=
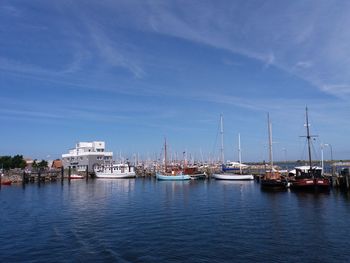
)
(309, 178)
(231, 176)
(115, 171)
(272, 180)
(174, 175)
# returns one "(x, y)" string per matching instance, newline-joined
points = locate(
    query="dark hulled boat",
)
(309, 178)
(272, 180)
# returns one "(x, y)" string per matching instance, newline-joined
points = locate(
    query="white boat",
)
(231, 176)
(227, 176)
(115, 171)
(76, 176)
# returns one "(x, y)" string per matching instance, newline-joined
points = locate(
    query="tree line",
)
(17, 161)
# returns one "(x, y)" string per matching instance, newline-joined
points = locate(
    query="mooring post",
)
(62, 174)
(24, 177)
(87, 173)
(69, 173)
(39, 176)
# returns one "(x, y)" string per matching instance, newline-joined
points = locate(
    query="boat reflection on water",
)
(245, 183)
(236, 186)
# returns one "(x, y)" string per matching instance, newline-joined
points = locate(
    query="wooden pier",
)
(40, 176)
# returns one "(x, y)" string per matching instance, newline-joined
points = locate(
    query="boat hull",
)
(179, 177)
(198, 176)
(309, 184)
(272, 184)
(233, 177)
(6, 183)
(115, 176)
(76, 176)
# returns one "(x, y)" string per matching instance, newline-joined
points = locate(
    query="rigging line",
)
(303, 154)
(216, 140)
(314, 151)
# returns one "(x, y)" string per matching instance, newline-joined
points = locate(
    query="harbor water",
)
(144, 220)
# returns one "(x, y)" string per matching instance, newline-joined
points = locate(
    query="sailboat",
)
(230, 176)
(173, 176)
(309, 178)
(272, 180)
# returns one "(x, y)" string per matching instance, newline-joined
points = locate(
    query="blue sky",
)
(132, 72)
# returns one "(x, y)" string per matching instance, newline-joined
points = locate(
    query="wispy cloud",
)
(298, 33)
(112, 54)
(9, 9)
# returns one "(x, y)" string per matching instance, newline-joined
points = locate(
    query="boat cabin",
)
(306, 172)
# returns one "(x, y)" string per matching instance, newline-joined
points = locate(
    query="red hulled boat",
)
(309, 178)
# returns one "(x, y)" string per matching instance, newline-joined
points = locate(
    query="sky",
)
(131, 73)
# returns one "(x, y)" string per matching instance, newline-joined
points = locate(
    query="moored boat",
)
(7, 182)
(233, 167)
(272, 180)
(228, 176)
(231, 176)
(115, 171)
(194, 173)
(76, 176)
(309, 178)
(173, 176)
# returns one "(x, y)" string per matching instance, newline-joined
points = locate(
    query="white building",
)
(87, 153)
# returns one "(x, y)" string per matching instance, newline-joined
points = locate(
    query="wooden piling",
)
(24, 177)
(87, 173)
(39, 176)
(69, 173)
(62, 174)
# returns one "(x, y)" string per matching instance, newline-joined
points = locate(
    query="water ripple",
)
(144, 220)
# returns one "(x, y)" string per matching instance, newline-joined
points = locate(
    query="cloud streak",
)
(308, 40)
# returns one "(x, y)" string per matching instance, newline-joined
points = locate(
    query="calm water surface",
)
(142, 220)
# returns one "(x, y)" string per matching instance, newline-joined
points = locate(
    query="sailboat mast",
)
(222, 139)
(269, 125)
(165, 156)
(308, 138)
(239, 153)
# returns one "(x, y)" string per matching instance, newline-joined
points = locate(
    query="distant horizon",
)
(131, 73)
(196, 160)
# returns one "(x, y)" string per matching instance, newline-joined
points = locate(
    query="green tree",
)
(8, 162)
(35, 164)
(5, 162)
(18, 162)
(43, 164)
